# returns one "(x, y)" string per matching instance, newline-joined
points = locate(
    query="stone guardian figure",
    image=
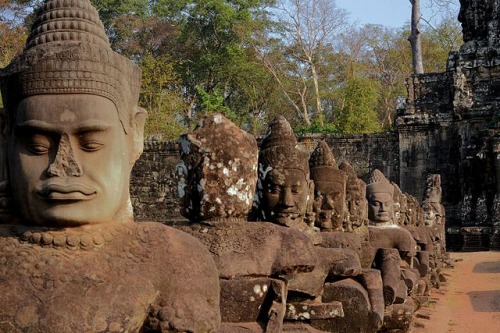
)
(72, 259)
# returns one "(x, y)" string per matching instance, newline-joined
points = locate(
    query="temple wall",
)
(431, 149)
(364, 152)
(153, 184)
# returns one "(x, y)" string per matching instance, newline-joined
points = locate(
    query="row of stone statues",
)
(73, 260)
(301, 244)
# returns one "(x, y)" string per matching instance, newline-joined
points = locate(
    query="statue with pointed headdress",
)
(284, 189)
(329, 190)
(73, 260)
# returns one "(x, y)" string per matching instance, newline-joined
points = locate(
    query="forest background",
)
(254, 59)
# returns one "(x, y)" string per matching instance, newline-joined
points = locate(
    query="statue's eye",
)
(274, 189)
(38, 144)
(295, 189)
(91, 145)
(89, 141)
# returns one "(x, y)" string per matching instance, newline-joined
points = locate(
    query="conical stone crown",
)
(67, 20)
(68, 52)
(322, 156)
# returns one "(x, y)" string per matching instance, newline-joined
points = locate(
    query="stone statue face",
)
(328, 204)
(474, 17)
(380, 207)
(285, 197)
(357, 205)
(70, 160)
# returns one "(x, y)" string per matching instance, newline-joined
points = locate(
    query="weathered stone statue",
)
(284, 189)
(338, 275)
(329, 190)
(74, 260)
(218, 170)
(394, 249)
(379, 193)
(356, 198)
(435, 213)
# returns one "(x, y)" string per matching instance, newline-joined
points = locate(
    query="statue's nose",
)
(287, 198)
(65, 163)
(328, 203)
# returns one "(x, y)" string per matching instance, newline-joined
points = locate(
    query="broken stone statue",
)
(218, 175)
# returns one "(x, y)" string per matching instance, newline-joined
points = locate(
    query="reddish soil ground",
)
(469, 302)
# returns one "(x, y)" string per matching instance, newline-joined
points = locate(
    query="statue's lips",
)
(326, 213)
(66, 192)
(288, 214)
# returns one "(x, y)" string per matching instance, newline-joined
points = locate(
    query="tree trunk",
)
(415, 40)
(319, 109)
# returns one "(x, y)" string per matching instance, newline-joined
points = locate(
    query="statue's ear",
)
(138, 122)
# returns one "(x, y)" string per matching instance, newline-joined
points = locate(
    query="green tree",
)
(215, 57)
(357, 114)
(161, 98)
(439, 41)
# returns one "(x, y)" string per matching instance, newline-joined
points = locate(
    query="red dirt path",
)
(469, 302)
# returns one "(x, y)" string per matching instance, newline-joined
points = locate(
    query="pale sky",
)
(391, 13)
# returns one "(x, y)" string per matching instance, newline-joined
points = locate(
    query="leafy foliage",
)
(358, 114)
(255, 59)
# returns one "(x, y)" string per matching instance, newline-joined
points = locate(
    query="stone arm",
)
(188, 285)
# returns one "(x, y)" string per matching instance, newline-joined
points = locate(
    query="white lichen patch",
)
(257, 289)
(305, 315)
(217, 119)
(294, 314)
(67, 116)
(241, 191)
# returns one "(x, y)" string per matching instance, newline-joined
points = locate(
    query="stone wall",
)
(153, 186)
(364, 152)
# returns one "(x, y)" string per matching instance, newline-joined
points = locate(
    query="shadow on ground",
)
(487, 267)
(485, 301)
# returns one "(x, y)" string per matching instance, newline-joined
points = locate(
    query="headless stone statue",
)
(72, 258)
(218, 171)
